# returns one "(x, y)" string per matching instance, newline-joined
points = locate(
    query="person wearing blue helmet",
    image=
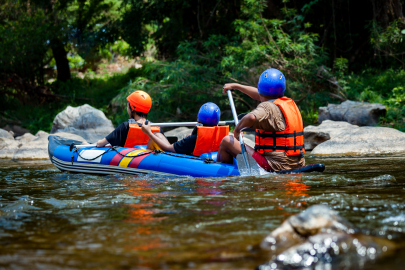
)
(209, 114)
(205, 137)
(279, 140)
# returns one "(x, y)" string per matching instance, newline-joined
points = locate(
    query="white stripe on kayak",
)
(102, 169)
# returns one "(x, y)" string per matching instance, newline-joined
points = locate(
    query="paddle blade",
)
(254, 170)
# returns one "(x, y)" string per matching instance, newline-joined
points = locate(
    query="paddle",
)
(170, 124)
(185, 124)
(247, 165)
(242, 144)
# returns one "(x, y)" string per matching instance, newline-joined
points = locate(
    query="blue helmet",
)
(209, 114)
(272, 83)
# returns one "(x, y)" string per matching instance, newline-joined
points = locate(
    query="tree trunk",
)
(386, 11)
(62, 63)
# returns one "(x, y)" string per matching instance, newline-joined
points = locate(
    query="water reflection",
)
(296, 187)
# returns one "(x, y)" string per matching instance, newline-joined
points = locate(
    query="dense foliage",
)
(329, 51)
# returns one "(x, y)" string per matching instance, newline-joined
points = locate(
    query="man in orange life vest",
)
(129, 134)
(205, 138)
(279, 143)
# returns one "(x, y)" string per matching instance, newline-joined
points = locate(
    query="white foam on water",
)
(400, 218)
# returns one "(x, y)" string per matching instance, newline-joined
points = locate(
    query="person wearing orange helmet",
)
(129, 134)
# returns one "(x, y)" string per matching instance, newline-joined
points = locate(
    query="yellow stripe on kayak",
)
(129, 157)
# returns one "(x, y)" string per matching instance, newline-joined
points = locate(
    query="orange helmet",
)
(140, 101)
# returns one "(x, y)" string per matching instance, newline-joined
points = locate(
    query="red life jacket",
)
(290, 140)
(209, 139)
(137, 137)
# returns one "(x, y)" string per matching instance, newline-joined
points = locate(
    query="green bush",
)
(386, 87)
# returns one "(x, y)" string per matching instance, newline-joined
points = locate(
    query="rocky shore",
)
(329, 139)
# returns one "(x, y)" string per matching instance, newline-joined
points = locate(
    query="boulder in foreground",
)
(316, 237)
(356, 113)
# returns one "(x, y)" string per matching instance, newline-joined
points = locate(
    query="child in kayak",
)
(129, 134)
(205, 137)
(279, 143)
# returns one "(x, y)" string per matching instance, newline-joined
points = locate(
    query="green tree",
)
(177, 21)
(33, 32)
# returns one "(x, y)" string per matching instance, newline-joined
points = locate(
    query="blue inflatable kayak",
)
(113, 160)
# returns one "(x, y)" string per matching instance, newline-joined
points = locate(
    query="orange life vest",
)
(137, 137)
(290, 140)
(209, 139)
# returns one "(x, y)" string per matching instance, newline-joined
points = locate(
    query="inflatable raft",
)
(113, 160)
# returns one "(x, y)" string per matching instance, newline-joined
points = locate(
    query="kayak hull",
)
(134, 161)
(108, 160)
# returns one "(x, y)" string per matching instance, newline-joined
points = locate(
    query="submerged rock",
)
(356, 113)
(318, 236)
(85, 121)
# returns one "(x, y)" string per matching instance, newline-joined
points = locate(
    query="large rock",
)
(249, 135)
(6, 134)
(85, 121)
(27, 137)
(8, 147)
(180, 132)
(16, 130)
(35, 147)
(29, 146)
(317, 235)
(88, 136)
(362, 141)
(315, 135)
(248, 139)
(69, 136)
(356, 113)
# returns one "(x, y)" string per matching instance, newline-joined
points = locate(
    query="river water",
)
(55, 220)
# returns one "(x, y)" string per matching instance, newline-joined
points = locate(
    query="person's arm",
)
(102, 143)
(248, 90)
(246, 122)
(163, 144)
